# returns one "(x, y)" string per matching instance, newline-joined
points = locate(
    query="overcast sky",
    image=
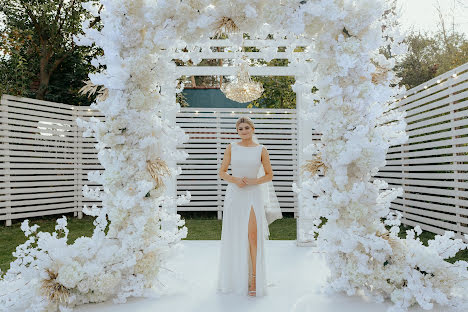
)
(423, 15)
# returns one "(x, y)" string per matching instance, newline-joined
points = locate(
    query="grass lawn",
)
(198, 229)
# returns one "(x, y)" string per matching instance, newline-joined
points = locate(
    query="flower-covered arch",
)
(137, 147)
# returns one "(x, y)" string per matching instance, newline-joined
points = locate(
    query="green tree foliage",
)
(277, 93)
(15, 75)
(430, 55)
(38, 57)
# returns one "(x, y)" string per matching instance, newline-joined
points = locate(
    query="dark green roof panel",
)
(209, 98)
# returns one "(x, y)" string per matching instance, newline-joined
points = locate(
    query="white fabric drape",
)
(271, 204)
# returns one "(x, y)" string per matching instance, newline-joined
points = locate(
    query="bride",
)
(250, 205)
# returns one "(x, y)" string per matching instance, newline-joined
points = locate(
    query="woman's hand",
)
(249, 181)
(240, 182)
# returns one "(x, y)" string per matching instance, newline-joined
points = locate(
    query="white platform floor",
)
(297, 274)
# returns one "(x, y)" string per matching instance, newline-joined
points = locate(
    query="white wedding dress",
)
(235, 264)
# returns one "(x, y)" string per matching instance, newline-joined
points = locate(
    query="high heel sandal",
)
(253, 293)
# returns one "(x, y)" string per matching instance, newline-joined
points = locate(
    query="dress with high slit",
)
(235, 264)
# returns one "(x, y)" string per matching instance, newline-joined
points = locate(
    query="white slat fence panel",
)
(37, 158)
(432, 167)
(87, 158)
(45, 159)
(210, 130)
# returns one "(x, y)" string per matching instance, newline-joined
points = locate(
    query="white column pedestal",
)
(304, 130)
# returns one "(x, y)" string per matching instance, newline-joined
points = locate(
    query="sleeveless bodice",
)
(245, 160)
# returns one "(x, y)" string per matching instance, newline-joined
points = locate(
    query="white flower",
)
(70, 274)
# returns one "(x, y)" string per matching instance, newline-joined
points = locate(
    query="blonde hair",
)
(244, 119)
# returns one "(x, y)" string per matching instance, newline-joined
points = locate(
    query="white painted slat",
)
(271, 147)
(214, 161)
(34, 177)
(439, 127)
(439, 136)
(40, 204)
(57, 209)
(57, 193)
(207, 122)
(423, 219)
(66, 112)
(46, 133)
(433, 144)
(65, 126)
(438, 200)
(426, 168)
(425, 205)
(32, 190)
(428, 160)
(66, 138)
(434, 183)
(445, 78)
(434, 120)
(300, 42)
(428, 95)
(27, 153)
(26, 113)
(417, 175)
(236, 55)
(40, 142)
(34, 102)
(290, 70)
(266, 140)
(430, 152)
(433, 94)
(437, 215)
(36, 160)
(39, 166)
(258, 130)
(435, 191)
(440, 107)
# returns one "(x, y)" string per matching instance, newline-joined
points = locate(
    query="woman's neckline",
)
(247, 146)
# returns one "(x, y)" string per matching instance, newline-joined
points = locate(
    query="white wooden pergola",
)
(268, 50)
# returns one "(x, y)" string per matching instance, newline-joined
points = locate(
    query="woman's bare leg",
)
(253, 245)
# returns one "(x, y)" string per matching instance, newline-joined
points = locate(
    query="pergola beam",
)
(238, 55)
(257, 43)
(231, 70)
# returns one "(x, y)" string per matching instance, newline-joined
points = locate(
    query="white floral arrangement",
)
(353, 109)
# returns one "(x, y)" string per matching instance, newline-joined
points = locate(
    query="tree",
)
(418, 64)
(14, 73)
(432, 54)
(41, 32)
(278, 92)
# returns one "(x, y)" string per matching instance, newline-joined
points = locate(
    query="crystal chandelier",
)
(243, 90)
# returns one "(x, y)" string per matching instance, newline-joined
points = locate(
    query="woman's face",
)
(245, 130)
